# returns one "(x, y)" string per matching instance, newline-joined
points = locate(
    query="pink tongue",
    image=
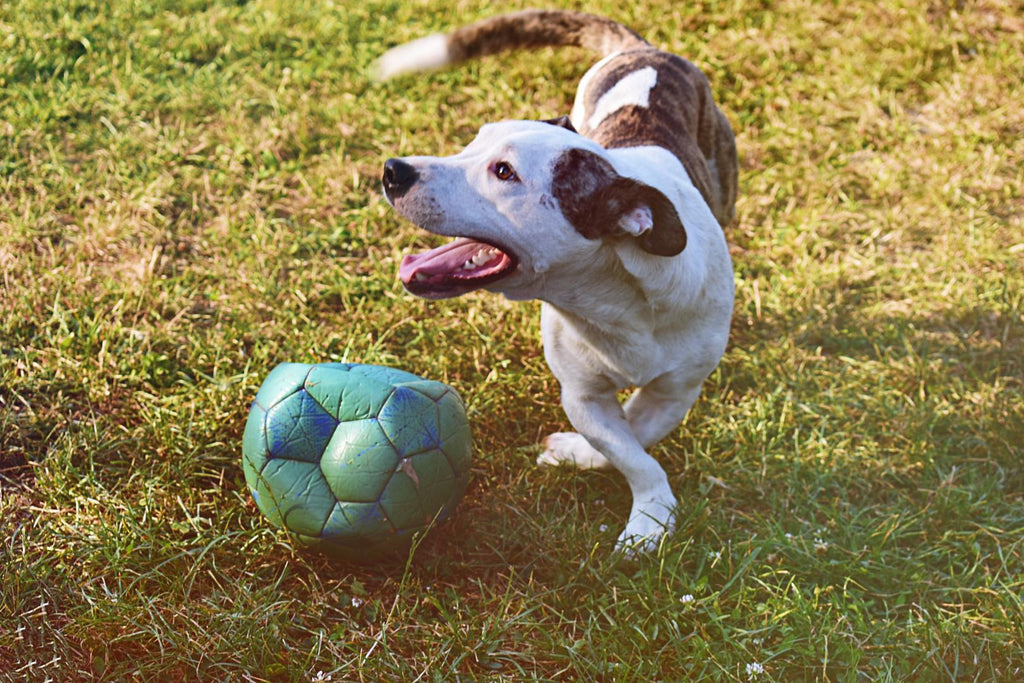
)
(448, 261)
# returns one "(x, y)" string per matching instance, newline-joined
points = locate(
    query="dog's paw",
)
(571, 449)
(649, 522)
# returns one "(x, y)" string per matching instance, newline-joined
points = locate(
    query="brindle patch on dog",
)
(539, 28)
(679, 116)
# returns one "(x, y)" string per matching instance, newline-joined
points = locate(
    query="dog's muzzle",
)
(397, 178)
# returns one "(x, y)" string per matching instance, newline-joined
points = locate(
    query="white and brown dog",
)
(616, 228)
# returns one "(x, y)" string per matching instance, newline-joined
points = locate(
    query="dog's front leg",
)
(652, 411)
(599, 417)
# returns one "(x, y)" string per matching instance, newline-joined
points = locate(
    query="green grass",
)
(189, 195)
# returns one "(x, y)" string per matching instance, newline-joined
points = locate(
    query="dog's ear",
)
(648, 215)
(599, 203)
(561, 122)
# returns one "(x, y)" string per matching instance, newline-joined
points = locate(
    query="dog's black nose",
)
(398, 177)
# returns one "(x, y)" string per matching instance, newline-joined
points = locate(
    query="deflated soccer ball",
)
(355, 459)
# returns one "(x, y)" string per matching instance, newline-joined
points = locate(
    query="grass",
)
(190, 196)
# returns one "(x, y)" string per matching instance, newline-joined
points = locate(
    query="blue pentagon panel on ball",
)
(410, 420)
(298, 428)
(355, 459)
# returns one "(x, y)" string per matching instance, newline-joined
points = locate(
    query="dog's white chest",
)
(627, 358)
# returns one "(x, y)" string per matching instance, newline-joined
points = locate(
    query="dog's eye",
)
(502, 170)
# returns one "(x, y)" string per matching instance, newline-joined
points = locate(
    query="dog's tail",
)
(527, 29)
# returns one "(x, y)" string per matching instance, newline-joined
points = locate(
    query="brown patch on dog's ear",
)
(597, 201)
(562, 122)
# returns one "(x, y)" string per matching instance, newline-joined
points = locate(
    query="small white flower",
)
(321, 676)
(688, 598)
(753, 669)
(820, 544)
(603, 528)
(714, 555)
(357, 602)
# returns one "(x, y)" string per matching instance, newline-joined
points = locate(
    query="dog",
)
(612, 217)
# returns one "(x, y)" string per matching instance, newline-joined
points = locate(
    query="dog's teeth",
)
(480, 258)
(484, 256)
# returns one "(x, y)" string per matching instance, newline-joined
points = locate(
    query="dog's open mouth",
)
(458, 267)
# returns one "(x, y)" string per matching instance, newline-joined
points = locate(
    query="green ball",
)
(355, 459)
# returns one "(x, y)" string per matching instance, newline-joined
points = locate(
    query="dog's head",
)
(522, 199)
